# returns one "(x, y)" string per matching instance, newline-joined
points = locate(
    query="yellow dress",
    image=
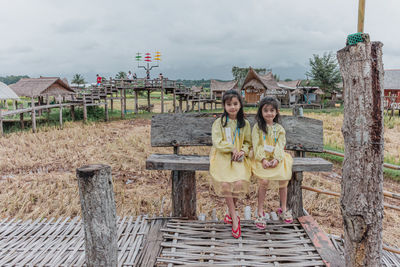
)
(226, 173)
(275, 140)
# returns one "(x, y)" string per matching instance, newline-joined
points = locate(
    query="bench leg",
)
(294, 195)
(184, 194)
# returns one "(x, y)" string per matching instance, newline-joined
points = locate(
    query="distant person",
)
(98, 79)
(134, 76)
(160, 76)
(130, 75)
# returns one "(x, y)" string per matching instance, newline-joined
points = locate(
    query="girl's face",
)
(269, 113)
(232, 107)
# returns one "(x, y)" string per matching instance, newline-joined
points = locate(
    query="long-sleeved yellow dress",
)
(226, 173)
(262, 146)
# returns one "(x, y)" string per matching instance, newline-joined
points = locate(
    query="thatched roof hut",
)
(196, 89)
(256, 85)
(33, 87)
(6, 92)
(218, 88)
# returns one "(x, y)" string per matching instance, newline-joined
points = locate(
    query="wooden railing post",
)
(61, 111)
(99, 215)
(84, 109)
(33, 115)
(1, 123)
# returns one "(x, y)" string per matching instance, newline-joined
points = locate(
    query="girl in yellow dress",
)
(230, 167)
(271, 164)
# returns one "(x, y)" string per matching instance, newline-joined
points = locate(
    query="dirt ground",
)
(37, 176)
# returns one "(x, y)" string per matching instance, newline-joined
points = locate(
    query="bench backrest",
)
(302, 134)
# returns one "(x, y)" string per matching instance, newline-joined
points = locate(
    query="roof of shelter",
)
(223, 86)
(392, 79)
(292, 84)
(6, 92)
(32, 87)
(196, 89)
(266, 80)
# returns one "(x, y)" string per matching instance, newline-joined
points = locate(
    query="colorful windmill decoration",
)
(157, 56)
(138, 57)
(147, 58)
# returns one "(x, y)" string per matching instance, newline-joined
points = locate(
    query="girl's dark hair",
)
(259, 117)
(228, 95)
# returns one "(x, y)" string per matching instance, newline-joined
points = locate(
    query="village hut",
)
(292, 95)
(218, 88)
(255, 86)
(196, 89)
(310, 95)
(6, 92)
(34, 87)
(391, 87)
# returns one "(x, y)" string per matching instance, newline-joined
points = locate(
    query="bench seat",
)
(201, 163)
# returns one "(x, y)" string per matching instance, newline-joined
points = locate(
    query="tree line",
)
(12, 79)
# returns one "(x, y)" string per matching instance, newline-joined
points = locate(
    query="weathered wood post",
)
(122, 105)
(84, 109)
(33, 115)
(125, 100)
(148, 100)
(362, 198)
(1, 123)
(162, 97)
(99, 215)
(136, 102)
(61, 110)
(294, 191)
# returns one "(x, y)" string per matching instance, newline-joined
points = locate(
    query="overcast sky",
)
(197, 38)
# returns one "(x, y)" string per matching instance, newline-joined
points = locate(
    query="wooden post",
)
(361, 12)
(106, 109)
(72, 111)
(99, 215)
(184, 194)
(124, 101)
(1, 123)
(136, 102)
(122, 106)
(61, 110)
(198, 104)
(180, 104)
(33, 115)
(84, 109)
(148, 100)
(174, 100)
(187, 103)
(21, 120)
(162, 97)
(362, 196)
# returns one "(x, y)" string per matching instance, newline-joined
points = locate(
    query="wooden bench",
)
(179, 130)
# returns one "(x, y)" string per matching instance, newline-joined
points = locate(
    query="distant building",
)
(391, 87)
(218, 88)
(49, 86)
(255, 86)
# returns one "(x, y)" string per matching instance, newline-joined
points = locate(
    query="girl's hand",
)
(265, 164)
(240, 155)
(274, 163)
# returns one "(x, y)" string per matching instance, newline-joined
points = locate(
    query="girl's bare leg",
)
(283, 197)
(262, 189)
(232, 211)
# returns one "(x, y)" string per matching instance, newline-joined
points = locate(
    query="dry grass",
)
(37, 175)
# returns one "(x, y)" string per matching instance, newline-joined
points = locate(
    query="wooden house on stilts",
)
(256, 86)
(218, 88)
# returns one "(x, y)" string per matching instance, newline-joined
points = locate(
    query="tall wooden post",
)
(362, 197)
(162, 97)
(84, 109)
(125, 100)
(99, 215)
(61, 110)
(1, 123)
(122, 106)
(148, 100)
(174, 100)
(136, 102)
(33, 115)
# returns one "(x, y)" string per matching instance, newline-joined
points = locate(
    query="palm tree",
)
(78, 79)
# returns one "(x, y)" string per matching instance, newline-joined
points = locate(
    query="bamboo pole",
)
(84, 109)
(361, 13)
(335, 194)
(386, 165)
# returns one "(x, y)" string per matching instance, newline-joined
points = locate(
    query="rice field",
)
(37, 173)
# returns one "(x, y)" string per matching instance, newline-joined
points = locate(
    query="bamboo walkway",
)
(166, 242)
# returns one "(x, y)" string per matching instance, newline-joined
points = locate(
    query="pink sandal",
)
(238, 232)
(260, 222)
